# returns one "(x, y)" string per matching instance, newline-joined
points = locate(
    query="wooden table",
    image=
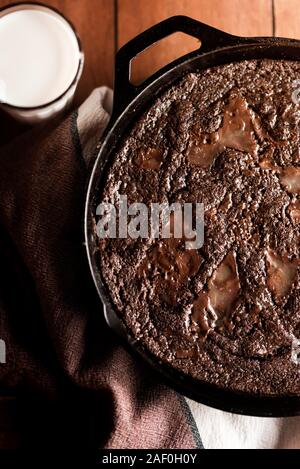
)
(105, 25)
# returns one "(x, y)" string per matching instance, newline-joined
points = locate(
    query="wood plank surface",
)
(241, 17)
(287, 18)
(94, 22)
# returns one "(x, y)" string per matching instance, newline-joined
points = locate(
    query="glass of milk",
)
(41, 61)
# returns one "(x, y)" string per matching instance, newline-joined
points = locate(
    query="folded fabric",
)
(58, 345)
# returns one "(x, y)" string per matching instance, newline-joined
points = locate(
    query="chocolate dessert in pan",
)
(220, 127)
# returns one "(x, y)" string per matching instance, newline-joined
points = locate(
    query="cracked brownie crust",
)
(228, 313)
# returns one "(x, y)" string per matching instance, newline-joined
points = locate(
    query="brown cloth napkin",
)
(75, 384)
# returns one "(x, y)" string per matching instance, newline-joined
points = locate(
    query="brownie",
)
(227, 313)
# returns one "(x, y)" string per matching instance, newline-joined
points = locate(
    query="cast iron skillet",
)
(130, 101)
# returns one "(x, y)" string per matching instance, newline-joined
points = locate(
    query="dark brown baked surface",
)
(228, 313)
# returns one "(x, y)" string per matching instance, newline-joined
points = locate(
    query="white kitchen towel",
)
(217, 429)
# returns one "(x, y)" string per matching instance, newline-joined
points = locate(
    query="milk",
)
(39, 57)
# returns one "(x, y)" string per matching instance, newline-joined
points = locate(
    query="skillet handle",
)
(124, 91)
